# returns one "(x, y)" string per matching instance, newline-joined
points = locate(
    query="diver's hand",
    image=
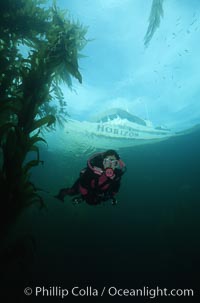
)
(77, 200)
(114, 201)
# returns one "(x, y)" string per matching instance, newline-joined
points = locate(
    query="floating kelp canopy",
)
(154, 20)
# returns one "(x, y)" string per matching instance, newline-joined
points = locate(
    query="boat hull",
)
(86, 137)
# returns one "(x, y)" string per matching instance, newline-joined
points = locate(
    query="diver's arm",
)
(115, 187)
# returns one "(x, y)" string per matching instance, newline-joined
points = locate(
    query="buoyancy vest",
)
(101, 182)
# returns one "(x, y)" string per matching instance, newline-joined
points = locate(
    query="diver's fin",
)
(61, 195)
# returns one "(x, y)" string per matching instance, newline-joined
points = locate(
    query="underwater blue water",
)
(151, 238)
(160, 81)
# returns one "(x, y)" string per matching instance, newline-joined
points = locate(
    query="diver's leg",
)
(74, 190)
(62, 193)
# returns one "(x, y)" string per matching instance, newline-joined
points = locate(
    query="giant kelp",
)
(154, 20)
(28, 84)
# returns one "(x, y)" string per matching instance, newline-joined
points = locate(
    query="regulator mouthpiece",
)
(109, 172)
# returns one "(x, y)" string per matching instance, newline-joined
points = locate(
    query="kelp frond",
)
(30, 95)
(154, 20)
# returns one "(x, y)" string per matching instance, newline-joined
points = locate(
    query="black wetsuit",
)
(95, 188)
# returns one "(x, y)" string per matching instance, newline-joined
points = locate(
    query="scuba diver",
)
(99, 181)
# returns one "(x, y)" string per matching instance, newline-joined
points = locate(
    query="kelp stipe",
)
(28, 84)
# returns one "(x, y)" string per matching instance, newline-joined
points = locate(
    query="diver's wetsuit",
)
(94, 186)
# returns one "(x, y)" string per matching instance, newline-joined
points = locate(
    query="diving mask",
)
(107, 162)
(109, 165)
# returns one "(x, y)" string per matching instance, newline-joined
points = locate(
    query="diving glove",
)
(114, 201)
(77, 200)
